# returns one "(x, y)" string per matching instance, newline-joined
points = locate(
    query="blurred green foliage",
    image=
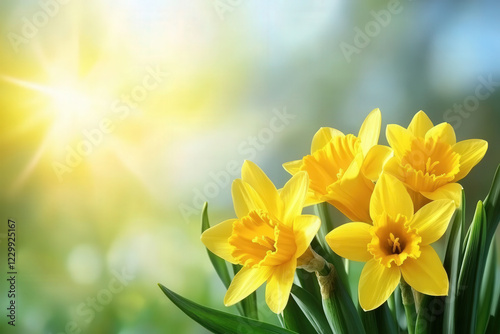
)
(134, 203)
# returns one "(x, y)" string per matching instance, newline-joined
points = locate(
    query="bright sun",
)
(67, 106)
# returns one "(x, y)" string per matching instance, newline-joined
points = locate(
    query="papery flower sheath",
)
(429, 160)
(266, 238)
(398, 243)
(342, 168)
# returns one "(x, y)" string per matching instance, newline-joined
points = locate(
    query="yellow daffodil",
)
(429, 160)
(268, 236)
(342, 168)
(398, 243)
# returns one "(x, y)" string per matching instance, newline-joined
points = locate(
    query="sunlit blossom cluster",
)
(400, 199)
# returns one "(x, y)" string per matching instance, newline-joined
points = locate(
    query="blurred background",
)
(121, 117)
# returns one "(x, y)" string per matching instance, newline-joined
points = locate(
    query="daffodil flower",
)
(342, 168)
(397, 244)
(267, 238)
(429, 160)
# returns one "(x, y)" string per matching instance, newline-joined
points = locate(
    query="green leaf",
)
(399, 308)
(471, 272)
(487, 289)
(338, 306)
(391, 303)
(218, 263)
(386, 321)
(494, 321)
(436, 313)
(281, 320)
(493, 324)
(248, 304)
(311, 307)
(379, 320)
(309, 282)
(452, 262)
(430, 315)
(218, 321)
(478, 243)
(492, 206)
(295, 319)
(369, 320)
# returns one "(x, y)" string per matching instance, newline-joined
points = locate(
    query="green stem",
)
(337, 304)
(409, 305)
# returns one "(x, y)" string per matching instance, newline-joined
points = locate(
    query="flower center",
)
(429, 164)
(328, 164)
(393, 242)
(258, 239)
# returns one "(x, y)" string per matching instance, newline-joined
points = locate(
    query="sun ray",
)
(28, 84)
(29, 168)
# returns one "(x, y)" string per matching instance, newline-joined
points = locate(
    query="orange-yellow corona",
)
(429, 161)
(342, 168)
(268, 236)
(397, 244)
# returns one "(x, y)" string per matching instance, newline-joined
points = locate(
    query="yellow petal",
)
(323, 137)
(312, 199)
(279, 285)
(420, 124)
(245, 198)
(305, 228)
(393, 167)
(399, 138)
(442, 132)
(351, 196)
(246, 281)
(376, 284)
(375, 161)
(354, 168)
(293, 167)
(254, 176)
(350, 241)
(352, 212)
(471, 152)
(370, 130)
(390, 196)
(452, 191)
(432, 220)
(426, 274)
(216, 240)
(293, 195)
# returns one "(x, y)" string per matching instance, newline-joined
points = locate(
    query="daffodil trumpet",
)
(396, 245)
(267, 237)
(342, 168)
(429, 160)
